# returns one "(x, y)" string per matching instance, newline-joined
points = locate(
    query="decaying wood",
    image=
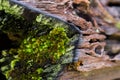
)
(107, 17)
(80, 13)
(111, 73)
(94, 22)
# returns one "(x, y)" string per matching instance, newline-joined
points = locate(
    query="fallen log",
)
(88, 18)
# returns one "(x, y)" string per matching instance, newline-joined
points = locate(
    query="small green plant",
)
(10, 16)
(14, 9)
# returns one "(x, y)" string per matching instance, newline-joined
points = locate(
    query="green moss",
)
(118, 24)
(39, 53)
(36, 52)
(14, 9)
(12, 23)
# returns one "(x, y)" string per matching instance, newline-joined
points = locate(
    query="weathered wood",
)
(91, 19)
(108, 73)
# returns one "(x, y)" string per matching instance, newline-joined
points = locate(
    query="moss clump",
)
(50, 46)
(12, 23)
(9, 15)
(37, 52)
(14, 9)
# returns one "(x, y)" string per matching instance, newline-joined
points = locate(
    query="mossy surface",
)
(43, 46)
(36, 53)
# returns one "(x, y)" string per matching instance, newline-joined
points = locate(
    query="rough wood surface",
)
(111, 73)
(92, 60)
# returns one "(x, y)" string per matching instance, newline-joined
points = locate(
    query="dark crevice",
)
(112, 55)
(111, 4)
(98, 50)
(2, 77)
(94, 40)
(88, 54)
(84, 15)
(117, 79)
(5, 42)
